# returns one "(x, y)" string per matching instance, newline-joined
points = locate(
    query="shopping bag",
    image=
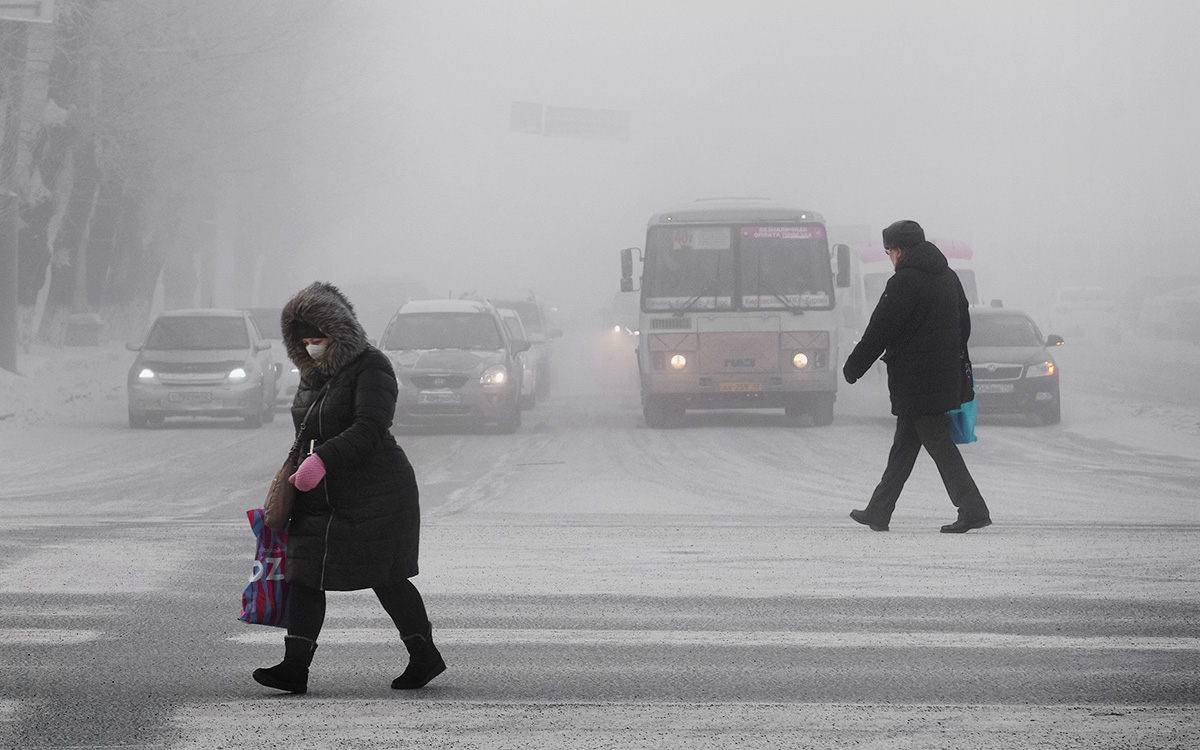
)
(962, 422)
(264, 602)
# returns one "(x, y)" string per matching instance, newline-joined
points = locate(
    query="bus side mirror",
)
(842, 253)
(627, 269)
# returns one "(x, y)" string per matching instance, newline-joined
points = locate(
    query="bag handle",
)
(304, 422)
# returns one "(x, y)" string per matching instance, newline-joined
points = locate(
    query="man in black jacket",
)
(920, 327)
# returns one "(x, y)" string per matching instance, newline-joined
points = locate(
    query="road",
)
(594, 583)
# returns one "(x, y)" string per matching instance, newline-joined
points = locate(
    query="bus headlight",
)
(800, 360)
(678, 361)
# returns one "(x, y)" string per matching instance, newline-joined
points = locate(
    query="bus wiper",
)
(713, 286)
(795, 309)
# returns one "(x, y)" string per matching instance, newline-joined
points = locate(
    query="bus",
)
(737, 310)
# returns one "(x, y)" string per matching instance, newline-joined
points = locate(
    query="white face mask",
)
(315, 350)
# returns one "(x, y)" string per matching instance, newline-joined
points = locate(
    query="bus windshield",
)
(737, 267)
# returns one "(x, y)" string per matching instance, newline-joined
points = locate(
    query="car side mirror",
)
(1054, 340)
(262, 346)
(520, 345)
(133, 347)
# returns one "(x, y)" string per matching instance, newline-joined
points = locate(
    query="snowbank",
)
(66, 384)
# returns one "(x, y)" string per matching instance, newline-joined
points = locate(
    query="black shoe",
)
(424, 661)
(963, 525)
(291, 674)
(419, 673)
(861, 517)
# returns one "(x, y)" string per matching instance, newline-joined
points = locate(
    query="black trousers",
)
(931, 431)
(402, 602)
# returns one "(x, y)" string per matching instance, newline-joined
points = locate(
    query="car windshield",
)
(1004, 330)
(268, 323)
(198, 333)
(443, 331)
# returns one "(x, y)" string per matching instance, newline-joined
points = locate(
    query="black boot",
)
(291, 674)
(424, 661)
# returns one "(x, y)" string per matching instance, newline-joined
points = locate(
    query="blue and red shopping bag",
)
(264, 602)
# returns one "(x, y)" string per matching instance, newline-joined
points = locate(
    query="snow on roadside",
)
(64, 383)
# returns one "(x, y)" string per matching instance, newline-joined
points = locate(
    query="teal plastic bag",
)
(962, 423)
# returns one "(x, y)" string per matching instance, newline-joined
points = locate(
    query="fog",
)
(1057, 139)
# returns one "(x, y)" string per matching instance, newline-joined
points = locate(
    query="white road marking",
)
(96, 567)
(45, 636)
(411, 721)
(791, 639)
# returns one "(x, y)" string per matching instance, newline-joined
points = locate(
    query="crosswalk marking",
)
(45, 636)
(791, 639)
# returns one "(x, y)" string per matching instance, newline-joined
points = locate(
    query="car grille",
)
(994, 371)
(439, 381)
(216, 369)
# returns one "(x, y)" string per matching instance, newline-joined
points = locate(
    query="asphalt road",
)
(594, 583)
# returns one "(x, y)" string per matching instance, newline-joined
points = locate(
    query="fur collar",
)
(321, 304)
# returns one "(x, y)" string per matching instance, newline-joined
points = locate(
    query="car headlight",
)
(237, 375)
(800, 360)
(146, 375)
(1040, 370)
(497, 375)
(678, 361)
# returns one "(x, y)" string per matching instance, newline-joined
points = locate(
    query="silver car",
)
(268, 321)
(210, 363)
(456, 365)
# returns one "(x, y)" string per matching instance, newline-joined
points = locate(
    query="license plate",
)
(993, 387)
(439, 398)
(741, 387)
(189, 398)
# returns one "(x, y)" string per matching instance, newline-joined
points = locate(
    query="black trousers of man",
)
(932, 431)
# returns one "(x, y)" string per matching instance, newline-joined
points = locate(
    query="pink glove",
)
(310, 473)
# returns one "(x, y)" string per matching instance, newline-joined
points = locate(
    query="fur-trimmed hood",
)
(321, 304)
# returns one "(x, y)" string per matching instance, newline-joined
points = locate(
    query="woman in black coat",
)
(356, 522)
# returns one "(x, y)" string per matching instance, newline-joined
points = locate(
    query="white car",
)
(1173, 315)
(268, 321)
(1088, 312)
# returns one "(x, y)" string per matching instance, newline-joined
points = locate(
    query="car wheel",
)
(268, 412)
(542, 384)
(511, 423)
(253, 421)
(137, 422)
(528, 401)
(1051, 414)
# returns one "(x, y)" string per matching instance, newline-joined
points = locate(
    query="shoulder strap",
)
(304, 422)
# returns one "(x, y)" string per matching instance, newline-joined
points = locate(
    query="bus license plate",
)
(993, 387)
(439, 398)
(741, 387)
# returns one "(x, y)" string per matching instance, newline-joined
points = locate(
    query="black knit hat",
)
(903, 235)
(306, 330)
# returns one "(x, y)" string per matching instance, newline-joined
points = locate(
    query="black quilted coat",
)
(360, 527)
(920, 327)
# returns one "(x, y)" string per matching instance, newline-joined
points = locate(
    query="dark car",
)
(1015, 372)
(456, 365)
(210, 363)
